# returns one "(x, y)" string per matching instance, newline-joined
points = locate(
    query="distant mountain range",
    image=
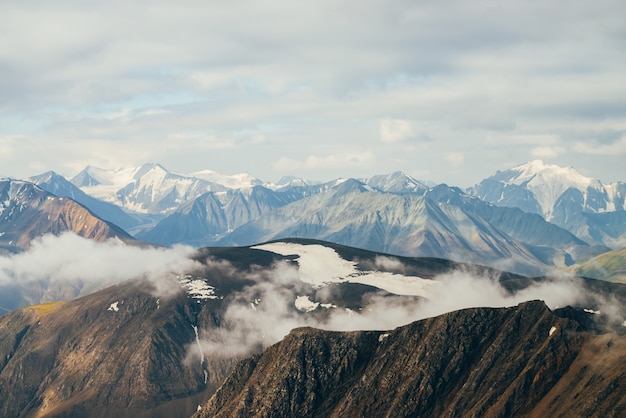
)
(529, 219)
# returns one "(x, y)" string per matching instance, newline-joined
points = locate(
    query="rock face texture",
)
(114, 353)
(516, 361)
(27, 212)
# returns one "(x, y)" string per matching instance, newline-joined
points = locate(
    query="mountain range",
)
(162, 347)
(519, 361)
(355, 297)
(529, 219)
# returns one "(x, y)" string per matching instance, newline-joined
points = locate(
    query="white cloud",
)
(78, 262)
(305, 77)
(249, 326)
(395, 130)
(547, 151)
(313, 162)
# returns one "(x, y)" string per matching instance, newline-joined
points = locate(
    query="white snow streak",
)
(114, 307)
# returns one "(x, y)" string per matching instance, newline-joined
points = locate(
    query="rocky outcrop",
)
(476, 362)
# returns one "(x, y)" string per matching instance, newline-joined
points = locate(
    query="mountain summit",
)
(544, 189)
(591, 210)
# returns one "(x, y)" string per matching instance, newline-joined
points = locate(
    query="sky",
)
(446, 91)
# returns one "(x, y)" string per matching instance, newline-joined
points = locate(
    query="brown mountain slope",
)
(27, 212)
(119, 352)
(476, 362)
(610, 266)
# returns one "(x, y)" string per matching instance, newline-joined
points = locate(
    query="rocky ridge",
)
(518, 361)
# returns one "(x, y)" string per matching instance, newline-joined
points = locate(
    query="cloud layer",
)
(65, 266)
(262, 314)
(195, 84)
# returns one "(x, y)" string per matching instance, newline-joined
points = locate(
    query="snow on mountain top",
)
(397, 182)
(234, 181)
(320, 265)
(537, 170)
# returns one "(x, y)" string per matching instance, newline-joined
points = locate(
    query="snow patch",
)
(114, 307)
(551, 331)
(382, 337)
(319, 266)
(197, 288)
(591, 311)
(304, 304)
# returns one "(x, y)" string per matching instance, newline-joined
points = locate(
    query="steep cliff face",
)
(476, 362)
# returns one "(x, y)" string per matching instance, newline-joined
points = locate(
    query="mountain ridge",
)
(479, 368)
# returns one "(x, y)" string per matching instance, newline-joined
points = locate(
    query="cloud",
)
(313, 162)
(304, 76)
(547, 151)
(264, 313)
(69, 260)
(395, 130)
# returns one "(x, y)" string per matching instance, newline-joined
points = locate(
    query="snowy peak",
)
(235, 181)
(538, 172)
(560, 194)
(397, 182)
(149, 188)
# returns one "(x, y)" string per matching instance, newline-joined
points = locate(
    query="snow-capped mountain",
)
(234, 181)
(205, 219)
(561, 195)
(149, 188)
(397, 182)
(61, 187)
(550, 191)
(353, 213)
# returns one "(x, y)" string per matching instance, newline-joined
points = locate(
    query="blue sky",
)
(448, 91)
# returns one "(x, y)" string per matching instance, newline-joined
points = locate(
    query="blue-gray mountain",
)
(539, 216)
(590, 209)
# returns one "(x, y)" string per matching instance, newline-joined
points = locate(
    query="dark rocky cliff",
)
(516, 361)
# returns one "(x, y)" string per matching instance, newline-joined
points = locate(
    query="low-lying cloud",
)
(262, 314)
(59, 261)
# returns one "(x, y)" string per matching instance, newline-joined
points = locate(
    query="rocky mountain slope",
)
(57, 185)
(439, 224)
(161, 346)
(27, 212)
(136, 349)
(524, 360)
